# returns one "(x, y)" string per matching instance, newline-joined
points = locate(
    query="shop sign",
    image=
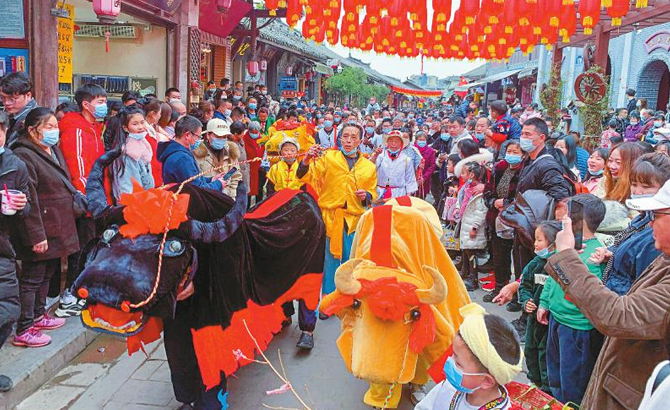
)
(65, 35)
(288, 84)
(660, 39)
(289, 94)
(11, 19)
(13, 60)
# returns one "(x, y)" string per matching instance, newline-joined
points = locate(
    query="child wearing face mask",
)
(530, 289)
(487, 355)
(282, 175)
(134, 164)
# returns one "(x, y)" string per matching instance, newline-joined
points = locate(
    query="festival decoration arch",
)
(489, 29)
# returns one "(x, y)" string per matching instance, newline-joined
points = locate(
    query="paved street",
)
(104, 377)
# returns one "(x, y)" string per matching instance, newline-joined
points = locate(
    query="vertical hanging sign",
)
(65, 39)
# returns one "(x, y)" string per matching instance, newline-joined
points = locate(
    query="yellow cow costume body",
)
(398, 299)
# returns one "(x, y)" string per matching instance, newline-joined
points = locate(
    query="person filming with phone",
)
(634, 324)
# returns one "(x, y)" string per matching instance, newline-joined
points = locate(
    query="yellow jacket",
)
(336, 186)
(283, 176)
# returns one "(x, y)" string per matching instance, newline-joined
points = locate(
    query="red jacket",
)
(81, 143)
(253, 151)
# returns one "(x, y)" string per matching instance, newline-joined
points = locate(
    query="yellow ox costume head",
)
(399, 295)
(301, 132)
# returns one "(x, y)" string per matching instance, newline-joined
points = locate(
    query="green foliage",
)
(592, 112)
(552, 93)
(351, 85)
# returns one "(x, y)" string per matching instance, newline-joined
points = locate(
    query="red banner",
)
(416, 93)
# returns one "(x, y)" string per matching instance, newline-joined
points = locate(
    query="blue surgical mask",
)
(50, 137)
(455, 376)
(641, 196)
(543, 253)
(349, 153)
(526, 144)
(657, 124)
(137, 135)
(227, 113)
(386, 130)
(370, 130)
(236, 97)
(218, 143)
(352, 122)
(445, 136)
(394, 151)
(513, 159)
(597, 173)
(633, 122)
(421, 143)
(195, 146)
(479, 136)
(328, 124)
(337, 120)
(288, 160)
(100, 111)
(252, 106)
(2, 149)
(255, 135)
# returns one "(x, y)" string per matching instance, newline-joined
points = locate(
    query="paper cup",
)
(6, 205)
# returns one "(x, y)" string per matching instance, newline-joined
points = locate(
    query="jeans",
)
(331, 263)
(306, 317)
(184, 370)
(571, 356)
(9, 298)
(33, 289)
(501, 255)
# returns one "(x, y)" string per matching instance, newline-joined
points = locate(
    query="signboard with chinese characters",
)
(65, 36)
(11, 19)
(660, 39)
(13, 60)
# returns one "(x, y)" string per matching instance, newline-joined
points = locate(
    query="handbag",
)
(79, 200)
(451, 238)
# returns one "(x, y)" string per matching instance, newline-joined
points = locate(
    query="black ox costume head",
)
(243, 266)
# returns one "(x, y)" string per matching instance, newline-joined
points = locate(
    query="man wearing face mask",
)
(371, 141)
(257, 175)
(252, 106)
(172, 95)
(179, 162)
(337, 120)
(327, 137)
(223, 111)
(442, 146)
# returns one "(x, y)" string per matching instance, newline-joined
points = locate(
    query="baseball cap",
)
(659, 201)
(218, 126)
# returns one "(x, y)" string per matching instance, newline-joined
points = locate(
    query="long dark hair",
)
(35, 118)
(115, 127)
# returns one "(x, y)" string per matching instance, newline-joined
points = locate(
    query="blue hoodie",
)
(179, 165)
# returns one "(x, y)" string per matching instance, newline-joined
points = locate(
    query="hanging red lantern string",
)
(293, 12)
(617, 10)
(568, 24)
(492, 9)
(589, 12)
(469, 9)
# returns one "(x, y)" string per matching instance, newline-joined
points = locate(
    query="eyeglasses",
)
(654, 214)
(9, 99)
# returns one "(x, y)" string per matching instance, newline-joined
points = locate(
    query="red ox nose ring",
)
(125, 306)
(83, 293)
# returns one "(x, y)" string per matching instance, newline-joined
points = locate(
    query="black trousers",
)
(33, 289)
(9, 298)
(184, 371)
(501, 254)
(436, 188)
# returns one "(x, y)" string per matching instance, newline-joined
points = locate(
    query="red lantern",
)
(617, 10)
(272, 5)
(568, 24)
(492, 9)
(107, 10)
(223, 5)
(469, 8)
(252, 68)
(263, 65)
(589, 12)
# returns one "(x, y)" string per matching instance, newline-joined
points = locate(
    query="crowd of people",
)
(504, 181)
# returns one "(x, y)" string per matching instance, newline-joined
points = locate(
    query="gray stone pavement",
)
(105, 377)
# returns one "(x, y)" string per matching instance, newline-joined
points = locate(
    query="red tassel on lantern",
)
(589, 12)
(617, 10)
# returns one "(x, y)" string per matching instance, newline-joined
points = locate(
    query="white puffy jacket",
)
(474, 216)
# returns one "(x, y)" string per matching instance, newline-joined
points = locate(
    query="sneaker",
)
(520, 327)
(323, 316)
(32, 337)
(47, 322)
(513, 306)
(470, 284)
(306, 341)
(489, 287)
(488, 279)
(417, 393)
(70, 308)
(488, 298)
(286, 323)
(5, 383)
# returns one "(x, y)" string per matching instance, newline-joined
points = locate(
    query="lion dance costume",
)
(398, 300)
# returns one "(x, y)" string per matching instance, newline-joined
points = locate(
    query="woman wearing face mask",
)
(500, 191)
(633, 249)
(155, 135)
(134, 164)
(442, 147)
(257, 175)
(634, 127)
(265, 120)
(395, 170)
(48, 232)
(426, 171)
(596, 172)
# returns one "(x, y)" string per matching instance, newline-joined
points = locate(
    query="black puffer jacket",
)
(545, 174)
(14, 175)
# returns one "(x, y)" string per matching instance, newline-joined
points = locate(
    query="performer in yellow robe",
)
(282, 175)
(346, 183)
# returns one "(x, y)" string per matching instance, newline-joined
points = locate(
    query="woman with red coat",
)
(427, 167)
(257, 175)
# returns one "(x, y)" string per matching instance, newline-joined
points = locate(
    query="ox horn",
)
(438, 292)
(95, 191)
(344, 277)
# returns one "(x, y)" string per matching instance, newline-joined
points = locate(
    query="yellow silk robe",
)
(336, 186)
(283, 176)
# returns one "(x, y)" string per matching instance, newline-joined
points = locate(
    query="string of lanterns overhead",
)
(488, 29)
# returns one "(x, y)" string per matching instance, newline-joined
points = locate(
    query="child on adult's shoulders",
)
(487, 356)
